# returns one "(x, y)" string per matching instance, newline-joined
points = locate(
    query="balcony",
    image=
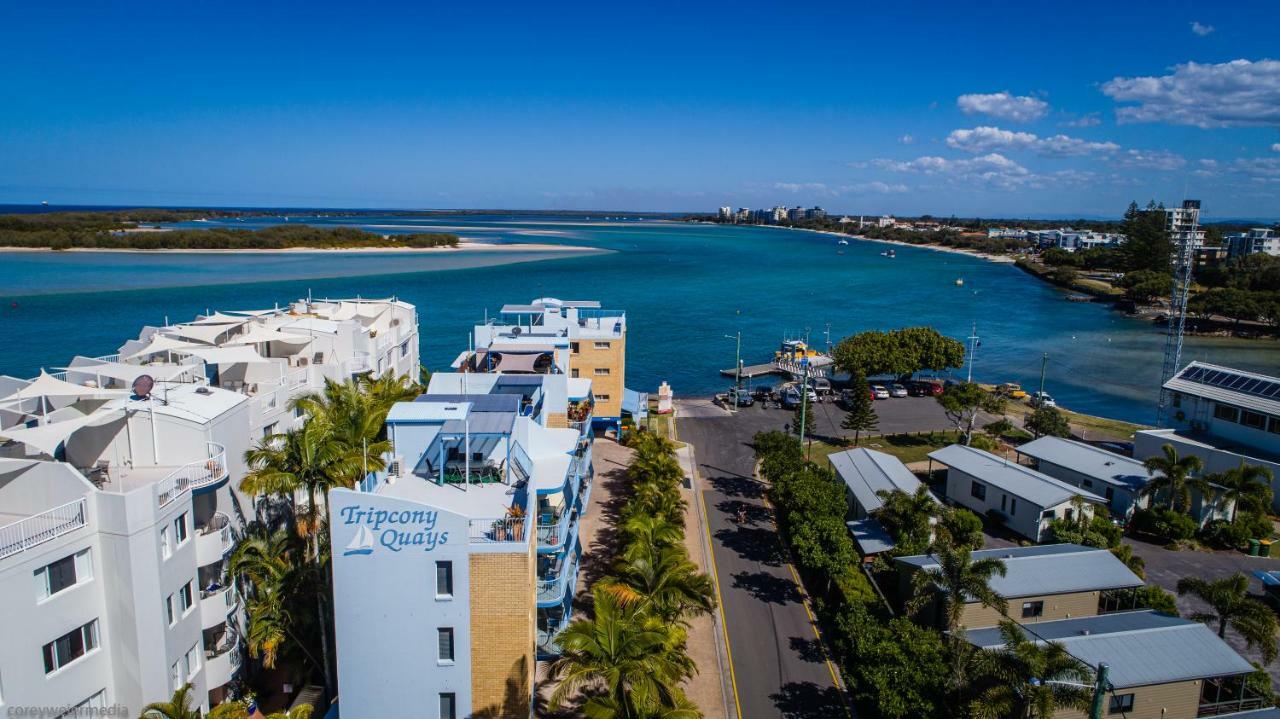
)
(549, 628)
(560, 577)
(500, 530)
(35, 530)
(216, 605)
(555, 526)
(1228, 695)
(197, 475)
(214, 540)
(579, 415)
(222, 661)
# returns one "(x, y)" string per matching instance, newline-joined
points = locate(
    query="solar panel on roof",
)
(1232, 381)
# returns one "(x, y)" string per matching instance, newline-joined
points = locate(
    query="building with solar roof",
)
(1222, 415)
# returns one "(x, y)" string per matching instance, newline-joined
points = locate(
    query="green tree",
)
(822, 546)
(964, 528)
(955, 580)
(1232, 606)
(861, 416)
(664, 582)
(897, 352)
(1246, 487)
(1026, 678)
(1172, 475)
(1234, 304)
(907, 518)
(895, 666)
(1048, 422)
(276, 588)
(998, 428)
(1148, 246)
(802, 420)
(962, 402)
(1058, 257)
(179, 706)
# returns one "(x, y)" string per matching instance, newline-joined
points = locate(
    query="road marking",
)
(715, 577)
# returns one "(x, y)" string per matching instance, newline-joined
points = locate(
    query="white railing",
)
(194, 475)
(500, 529)
(38, 529)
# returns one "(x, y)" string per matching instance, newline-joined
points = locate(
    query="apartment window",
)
(404, 349)
(573, 373)
(1274, 425)
(1110, 493)
(1050, 514)
(448, 706)
(186, 597)
(97, 701)
(180, 529)
(1121, 703)
(166, 549)
(1013, 506)
(444, 635)
(1226, 412)
(70, 646)
(270, 430)
(169, 614)
(978, 490)
(602, 371)
(1032, 609)
(444, 579)
(574, 348)
(602, 345)
(175, 677)
(191, 662)
(63, 574)
(1177, 400)
(1253, 420)
(602, 398)
(1088, 484)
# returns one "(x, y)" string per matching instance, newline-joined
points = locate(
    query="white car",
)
(1042, 399)
(880, 391)
(897, 390)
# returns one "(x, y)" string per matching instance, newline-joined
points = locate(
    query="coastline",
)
(998, 259)
(388, 249)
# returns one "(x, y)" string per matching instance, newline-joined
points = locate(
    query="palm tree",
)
(621, 656)
(1232, 606)
(665, 582)
(178, 707)
(956, 580)
(647, 532)
(1026, 678)
(1174, 475)
(240, 710)
(266, 561)
(1247, 486)
(907, 517)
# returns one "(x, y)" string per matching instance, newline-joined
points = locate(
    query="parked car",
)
(1042, 399)
(879, 391)
(1012, 390)
(897, 390)
(762, 394)
(924, 388)
(740, 397)
(821, 385)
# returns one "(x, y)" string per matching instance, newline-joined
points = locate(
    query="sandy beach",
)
(467, 246)
(1000, 259)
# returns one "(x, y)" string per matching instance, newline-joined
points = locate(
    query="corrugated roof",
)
(490, 413)
(866, 472)
(1072, 568)
(869, 536)
(1019, 481)
(1230, 386)
(1142, 648)
(1090, 461)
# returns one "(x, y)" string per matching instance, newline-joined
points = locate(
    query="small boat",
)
(843, 242)
(960, 282)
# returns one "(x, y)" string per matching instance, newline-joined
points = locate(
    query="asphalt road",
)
(778, 664)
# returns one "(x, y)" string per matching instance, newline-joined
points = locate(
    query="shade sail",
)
(160, 343)
(130, 372)
(267, 334)
(208, 334)
(47, 437)
(47, 385)
(217, 318)
(518, 363)
(225, 355)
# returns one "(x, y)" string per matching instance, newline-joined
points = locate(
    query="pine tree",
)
(861, 416)
(798, 426)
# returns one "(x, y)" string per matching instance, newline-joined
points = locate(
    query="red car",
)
(925, 388)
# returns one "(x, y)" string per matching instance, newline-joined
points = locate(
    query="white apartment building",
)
(1257, 241)
(120, 496)
(1183, 224)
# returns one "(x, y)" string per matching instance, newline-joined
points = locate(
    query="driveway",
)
(778, 665)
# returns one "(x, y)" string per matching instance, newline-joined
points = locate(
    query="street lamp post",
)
(737, 370)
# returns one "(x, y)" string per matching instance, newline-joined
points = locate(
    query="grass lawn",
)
(664, 426)
(1101, 425)
(906, 447)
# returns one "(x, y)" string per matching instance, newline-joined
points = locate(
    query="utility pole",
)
(1043, 364)
(804, 398)
(1099, 691)
(828, 333)
(973, 349)
(737, 371)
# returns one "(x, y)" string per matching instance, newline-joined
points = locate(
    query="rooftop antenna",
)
(973, 349)
(1184, 263)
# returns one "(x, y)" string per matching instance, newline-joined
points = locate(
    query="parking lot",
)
(899, 414)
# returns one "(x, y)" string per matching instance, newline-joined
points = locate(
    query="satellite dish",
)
(143, 385)
(516, 330)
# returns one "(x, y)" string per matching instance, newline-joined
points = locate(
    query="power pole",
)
(1043, 364)
(804, 398)
(737, 370)
(1099, 691)
(973, 349)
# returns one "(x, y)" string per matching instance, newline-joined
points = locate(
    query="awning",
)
(160, 343)
(225, 355)
(267, 334)
(518, 362)
(48, 437)
(208, 334)
(47, 385)
(130, 372)
(217, 318)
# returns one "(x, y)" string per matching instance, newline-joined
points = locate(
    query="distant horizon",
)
(40, 208)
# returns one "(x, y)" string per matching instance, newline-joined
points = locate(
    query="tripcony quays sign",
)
(408, 527)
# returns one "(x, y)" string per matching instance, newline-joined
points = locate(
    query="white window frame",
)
(81, 566)
(447, 564)
(189, 588)
(602, 345)
(89, 635)
(166, 548)
(441, 632)
(602, 371)
(181, 532)
(191, 660)
(170, 615)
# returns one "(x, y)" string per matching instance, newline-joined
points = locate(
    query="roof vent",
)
(1084, 632)
(203, 390)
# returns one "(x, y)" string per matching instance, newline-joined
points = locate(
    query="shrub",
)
(1225, 535)
(1154, 597)
(985, 443)
(1164, 523)
(964, 526)
(1099, 532)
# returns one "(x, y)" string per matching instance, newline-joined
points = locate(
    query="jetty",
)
(752, 371)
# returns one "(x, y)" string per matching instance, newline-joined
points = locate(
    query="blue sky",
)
(1002, 110)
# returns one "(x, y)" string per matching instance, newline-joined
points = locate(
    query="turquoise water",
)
(683, 286)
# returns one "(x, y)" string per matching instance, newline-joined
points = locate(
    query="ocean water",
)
(684, 287)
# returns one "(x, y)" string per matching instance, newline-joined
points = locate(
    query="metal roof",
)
(870, 536)
(1252, 391)
(1268, 713)
(1016, 480)
(489, 413)
(1099, 464)
(1070, 568)
(866, 472)
(1142, 648)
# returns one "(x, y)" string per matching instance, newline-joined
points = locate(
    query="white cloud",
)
(1230, 94)
(986, 139)
(906, 139)
(874, 188)
(796, 187)
(1087, 120)
(1199, 29)
(1150, 160)
(1004, 105)
(992, 169)
(1276, 147)
(1255, 170)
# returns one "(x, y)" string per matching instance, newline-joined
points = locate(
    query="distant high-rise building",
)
(1259, 240)
(726, 213)
(779, 214)
(795, 214)
(1183, 224)
(815, 213)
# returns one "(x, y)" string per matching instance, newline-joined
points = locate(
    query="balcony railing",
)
(194, 475)
(214, 539)
(554, 584)
(553, 527)
(497, 530)
(547, 638)
(38, 529)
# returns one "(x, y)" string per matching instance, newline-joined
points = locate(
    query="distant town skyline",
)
(921, 109)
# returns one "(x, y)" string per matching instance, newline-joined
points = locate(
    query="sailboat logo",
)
(362, 543)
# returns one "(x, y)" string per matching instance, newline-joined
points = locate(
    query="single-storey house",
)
(1041, 583)
(865, 473)
(1024, 499)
